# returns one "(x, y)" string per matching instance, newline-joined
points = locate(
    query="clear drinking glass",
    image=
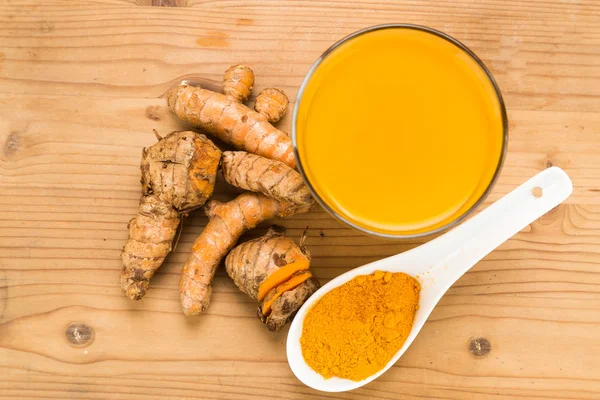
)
(467, 51)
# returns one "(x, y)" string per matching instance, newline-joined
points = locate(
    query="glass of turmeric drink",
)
(400, 131)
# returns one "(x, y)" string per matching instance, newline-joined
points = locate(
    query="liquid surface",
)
(399, 131)
(354, 330)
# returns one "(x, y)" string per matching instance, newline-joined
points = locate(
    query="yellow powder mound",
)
(355, 329)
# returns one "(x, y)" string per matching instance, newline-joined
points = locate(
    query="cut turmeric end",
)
(290, 284)
(280, 276)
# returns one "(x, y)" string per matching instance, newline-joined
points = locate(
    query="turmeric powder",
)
(356, 329)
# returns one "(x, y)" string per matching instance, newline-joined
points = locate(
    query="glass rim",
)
(504, 117)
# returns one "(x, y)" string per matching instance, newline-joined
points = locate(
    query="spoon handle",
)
(460, 249)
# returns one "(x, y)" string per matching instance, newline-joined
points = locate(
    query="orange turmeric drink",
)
(399, 130)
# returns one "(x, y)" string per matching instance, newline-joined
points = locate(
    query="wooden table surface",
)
(80, 84)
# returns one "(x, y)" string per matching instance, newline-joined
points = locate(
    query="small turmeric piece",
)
(178, 176)
(354, 330)
(280, 276)
(284, 308)
(224, 116)
(258, 265)
(238, 81)
(294, 281)
(269, 177)
(272, 103)
(227, 222)
(265, 269)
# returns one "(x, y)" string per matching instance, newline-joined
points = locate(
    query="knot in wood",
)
(79, 335)
(479, 347)
(12, 144)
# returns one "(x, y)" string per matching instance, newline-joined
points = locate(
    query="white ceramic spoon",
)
(440, 262)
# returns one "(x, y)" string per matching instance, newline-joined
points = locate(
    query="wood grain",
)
(81, 86)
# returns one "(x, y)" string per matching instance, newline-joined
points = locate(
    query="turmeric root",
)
(178, 175)
(259, 265)
(224, 116)
(284, 308)
(294, 281)
(280, 276)
(227, 222)
(238, 81)
(266, 269)
(269, 177)
(272, 103)
(151, 233)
